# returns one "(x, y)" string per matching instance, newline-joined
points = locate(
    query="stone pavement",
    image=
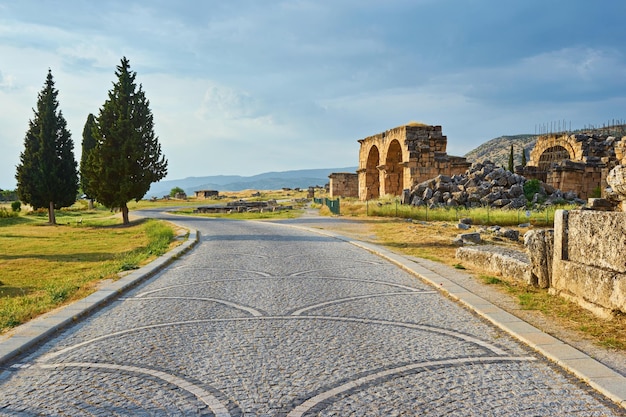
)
(268, 320)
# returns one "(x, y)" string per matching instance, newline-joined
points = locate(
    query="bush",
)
(531, 187)
(16, 206)
(5, 214)
(597, 192)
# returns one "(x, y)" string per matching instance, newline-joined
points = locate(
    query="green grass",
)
(44, 266)
(390, 207)
(281, 214)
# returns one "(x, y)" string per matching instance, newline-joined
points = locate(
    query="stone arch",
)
(550, 144)
(394, 169)
(553, 154)
(372, 175)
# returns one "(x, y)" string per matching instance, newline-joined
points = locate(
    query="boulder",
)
(470, 237)
(508, 233)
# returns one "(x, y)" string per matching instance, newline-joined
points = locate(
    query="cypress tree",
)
(523, 157)
(89, 142)
(47, 174)
(127, 156)
(511, 163)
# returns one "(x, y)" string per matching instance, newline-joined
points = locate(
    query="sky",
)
(242, 87)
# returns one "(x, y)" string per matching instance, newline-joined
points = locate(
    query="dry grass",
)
(433, 240)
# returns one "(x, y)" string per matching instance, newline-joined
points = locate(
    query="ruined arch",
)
(551, 155)
(372, 175)
(547, 143)
(393, 171)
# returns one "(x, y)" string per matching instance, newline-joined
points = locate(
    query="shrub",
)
(531, 187)
(5, 214)
(597, 192)
(16, 206)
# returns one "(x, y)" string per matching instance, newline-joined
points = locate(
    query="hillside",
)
(497, 150)
(267, 181)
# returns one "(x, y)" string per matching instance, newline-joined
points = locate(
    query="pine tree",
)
(47, 174)
(511, 163)
(523, 157)
(89, 142)
(127, 156)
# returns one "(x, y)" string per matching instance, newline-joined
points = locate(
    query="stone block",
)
(498, 260)
(539, 247)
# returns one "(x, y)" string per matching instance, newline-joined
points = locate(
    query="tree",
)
(511, 163)
(127, 156)
(523, 157)
(89, 142)
(47, 174)
(176, 190)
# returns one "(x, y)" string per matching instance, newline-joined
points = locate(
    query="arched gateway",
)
(398, 158)
(574, 162)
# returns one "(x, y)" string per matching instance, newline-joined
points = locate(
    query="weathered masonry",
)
(343, 184)
(207, 193)
(396, 159)
(578, 163)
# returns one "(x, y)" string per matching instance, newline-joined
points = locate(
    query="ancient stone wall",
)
(399, 158)
(578, 163)
(589, 265)
(343, 184)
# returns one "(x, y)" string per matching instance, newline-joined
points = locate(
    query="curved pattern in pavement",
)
(254, 322)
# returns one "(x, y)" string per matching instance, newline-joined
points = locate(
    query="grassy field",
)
(44, 266)
(390, 207)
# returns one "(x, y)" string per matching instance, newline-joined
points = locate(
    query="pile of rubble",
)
(484, 184)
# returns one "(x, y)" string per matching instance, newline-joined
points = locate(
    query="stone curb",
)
(37, 330)
(603, 379)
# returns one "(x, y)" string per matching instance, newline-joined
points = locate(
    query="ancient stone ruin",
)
(343, 184)
(578, 162)
(484, 184)
(394, 160)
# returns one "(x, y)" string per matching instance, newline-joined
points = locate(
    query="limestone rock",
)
(539, 246)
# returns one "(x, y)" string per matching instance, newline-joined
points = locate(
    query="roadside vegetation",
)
(410, 234)
(391, 207)
(45, 266)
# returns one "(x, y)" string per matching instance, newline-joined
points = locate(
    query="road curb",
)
(600, 377)
(27, 335)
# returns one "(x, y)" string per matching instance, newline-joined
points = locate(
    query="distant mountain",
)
(267, 181)
(498, 150)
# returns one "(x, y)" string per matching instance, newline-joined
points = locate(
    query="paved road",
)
(268, 320)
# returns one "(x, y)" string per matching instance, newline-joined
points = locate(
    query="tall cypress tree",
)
(127, 156)
(523, 156)
(47, 174)
(89, 142)
(511, 163)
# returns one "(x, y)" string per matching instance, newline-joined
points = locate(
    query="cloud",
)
(221, 102)
(7, 82)
(565, 75)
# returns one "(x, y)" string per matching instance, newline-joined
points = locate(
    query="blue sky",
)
(245, 87)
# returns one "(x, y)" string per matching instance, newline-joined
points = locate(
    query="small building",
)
(207, 193)
(343, 184)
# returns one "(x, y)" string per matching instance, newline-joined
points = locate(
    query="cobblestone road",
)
(268, 320)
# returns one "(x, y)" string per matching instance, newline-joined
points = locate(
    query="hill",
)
(497, 150)
(266, 181)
